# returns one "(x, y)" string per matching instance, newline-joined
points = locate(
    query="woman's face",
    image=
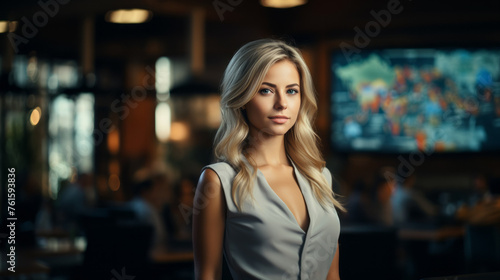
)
(275, 107)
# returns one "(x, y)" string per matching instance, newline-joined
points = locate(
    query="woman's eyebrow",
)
(269, 84)
(274, 86)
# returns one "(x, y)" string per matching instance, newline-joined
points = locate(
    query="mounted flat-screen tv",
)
(409, 100)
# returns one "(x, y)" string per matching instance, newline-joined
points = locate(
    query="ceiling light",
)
(129, 16)
(282, 4)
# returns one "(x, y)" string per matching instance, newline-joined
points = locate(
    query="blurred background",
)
(108, 111)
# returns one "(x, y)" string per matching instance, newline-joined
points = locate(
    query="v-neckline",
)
(307, 204)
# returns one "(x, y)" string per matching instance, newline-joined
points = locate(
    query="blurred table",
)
(431, 234)
(37, 253)
(53, 233)
(169, 264)
(165, 256)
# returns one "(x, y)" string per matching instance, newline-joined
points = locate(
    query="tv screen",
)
(407, 100)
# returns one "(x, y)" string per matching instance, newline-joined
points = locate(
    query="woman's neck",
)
(267, 150)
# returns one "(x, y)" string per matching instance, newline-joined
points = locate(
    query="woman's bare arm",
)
(208, 226)
(333, 273)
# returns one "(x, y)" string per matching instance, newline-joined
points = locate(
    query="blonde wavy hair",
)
(242, 79)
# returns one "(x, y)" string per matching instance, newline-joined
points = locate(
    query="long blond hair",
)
(242, 79)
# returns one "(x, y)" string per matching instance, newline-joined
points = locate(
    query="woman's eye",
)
(292, 91)
(265, 91)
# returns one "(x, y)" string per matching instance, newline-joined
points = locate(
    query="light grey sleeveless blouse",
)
(264, 241)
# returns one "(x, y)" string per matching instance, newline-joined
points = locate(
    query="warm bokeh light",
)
(282, 4)
(213, 111)
(179, 131)
(114, 141)
(129, 16)
(4, 26)
(114, 182)
(7, 26)
(35, 116)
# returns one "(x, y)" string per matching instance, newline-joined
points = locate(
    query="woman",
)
(267, 206)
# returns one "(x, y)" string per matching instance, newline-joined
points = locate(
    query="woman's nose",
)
(281, 103)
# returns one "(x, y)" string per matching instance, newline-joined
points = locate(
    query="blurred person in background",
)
(357, 205)
(270, 187)
(151, 194)
(411, 205)
(75, 197)
(484, 206)
(481, 192)
(179, 213)
(380, 209)
(28, 201)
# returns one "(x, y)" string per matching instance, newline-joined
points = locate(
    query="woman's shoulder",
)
(219, 168)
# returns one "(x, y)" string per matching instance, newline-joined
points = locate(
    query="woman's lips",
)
(279, 119)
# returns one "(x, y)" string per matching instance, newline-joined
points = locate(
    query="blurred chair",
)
(479, 276)
(368, 252)
(482, 248)
(121, 213)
